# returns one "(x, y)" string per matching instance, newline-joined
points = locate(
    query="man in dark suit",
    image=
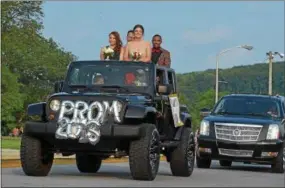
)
(159, 55)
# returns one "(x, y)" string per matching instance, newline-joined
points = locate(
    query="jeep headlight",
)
(205, 128)
(54, 105)
(273, 132)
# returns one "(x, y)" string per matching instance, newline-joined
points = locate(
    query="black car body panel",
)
(37, 109)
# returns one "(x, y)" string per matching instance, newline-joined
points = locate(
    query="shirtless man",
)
(138, 49)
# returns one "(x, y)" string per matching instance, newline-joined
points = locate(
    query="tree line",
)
(32, 63)
(199, 87)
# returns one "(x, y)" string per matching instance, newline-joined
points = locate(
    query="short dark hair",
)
(139, 26)
(130, 31)
(157, 35)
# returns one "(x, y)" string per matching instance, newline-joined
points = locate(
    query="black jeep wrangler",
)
(110, 108)
(244, 128)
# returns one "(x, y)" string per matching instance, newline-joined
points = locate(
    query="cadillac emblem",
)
(236, 132)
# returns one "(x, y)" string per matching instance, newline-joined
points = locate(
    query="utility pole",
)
(217, 79)
(270, 58)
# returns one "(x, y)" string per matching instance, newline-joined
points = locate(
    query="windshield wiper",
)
(116, 87)
(261, 115)
(84, 87)
(228, 113)
(244, 114)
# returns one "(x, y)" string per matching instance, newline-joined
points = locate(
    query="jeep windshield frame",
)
(83, 75)
(254, 106)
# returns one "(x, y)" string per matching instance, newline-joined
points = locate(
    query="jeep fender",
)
(37, 109)
(139, 112)
(179, 133)
(186, 119)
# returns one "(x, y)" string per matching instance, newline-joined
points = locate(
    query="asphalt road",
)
(239, 175)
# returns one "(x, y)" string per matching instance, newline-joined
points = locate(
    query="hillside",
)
(240, 79)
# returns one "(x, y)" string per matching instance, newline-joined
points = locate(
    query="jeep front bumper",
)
(48, 129)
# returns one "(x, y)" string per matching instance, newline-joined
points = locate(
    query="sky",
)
(194, 32)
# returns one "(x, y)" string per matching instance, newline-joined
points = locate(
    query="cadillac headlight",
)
(273, 132)
(54, 105)
(205, 128)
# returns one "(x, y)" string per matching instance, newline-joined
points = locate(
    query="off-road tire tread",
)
(88, 163)
(139, 157)
(178, 159)
(31, 157)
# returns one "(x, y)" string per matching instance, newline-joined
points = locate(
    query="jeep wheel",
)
(144, 154)
(35, 160)
(278, 166)
(203, 163)
(225, 163)
(88, 163)
(183, 157)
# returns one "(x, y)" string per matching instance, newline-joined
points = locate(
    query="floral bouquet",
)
(136, 56)
(108, 53)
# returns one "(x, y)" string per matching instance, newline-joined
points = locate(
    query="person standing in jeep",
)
(130, 37)
(160, 56)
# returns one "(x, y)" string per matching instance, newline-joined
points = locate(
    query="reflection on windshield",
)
(132, 75)
(248, 106)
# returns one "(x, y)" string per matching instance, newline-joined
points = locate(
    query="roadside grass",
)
(8, 142)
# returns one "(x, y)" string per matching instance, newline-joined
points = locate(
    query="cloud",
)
(211, 35)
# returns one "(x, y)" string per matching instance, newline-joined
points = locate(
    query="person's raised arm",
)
(126, 53)
(101, 54)
(148, 53)
(122, 53)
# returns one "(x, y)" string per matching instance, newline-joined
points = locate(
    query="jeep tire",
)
(88, 163)
(182, 159)
(35, 160)
(144, 154)
(278, 165)
(225, 163)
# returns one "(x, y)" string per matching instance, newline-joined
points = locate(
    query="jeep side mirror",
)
(164, 89)
(204, 112)
(58, 86)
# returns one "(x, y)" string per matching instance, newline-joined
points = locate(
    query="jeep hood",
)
(131, 98)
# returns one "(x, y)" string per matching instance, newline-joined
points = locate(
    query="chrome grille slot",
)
(237, 132)
(235, 153)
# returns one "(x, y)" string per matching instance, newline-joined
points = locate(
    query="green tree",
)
(30, 63)
(204, 100)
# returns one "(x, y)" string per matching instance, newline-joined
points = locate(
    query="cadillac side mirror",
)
(58, 86)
